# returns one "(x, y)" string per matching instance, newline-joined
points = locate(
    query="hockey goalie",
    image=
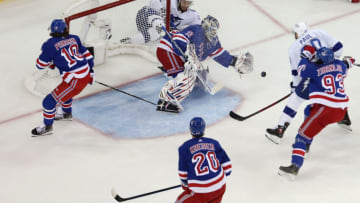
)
(181, 52)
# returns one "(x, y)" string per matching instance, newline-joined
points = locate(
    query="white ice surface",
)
(78, 164)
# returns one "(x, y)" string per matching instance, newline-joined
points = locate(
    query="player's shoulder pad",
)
(192, 10)
(191, 30)
(184, 145)
(342, 63)
(74, 36)
(47, 44)
(319, 32)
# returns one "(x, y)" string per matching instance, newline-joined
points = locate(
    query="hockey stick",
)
(116, 89)
(356, 64)
(242, 118)
(204, 83)
(120, 199)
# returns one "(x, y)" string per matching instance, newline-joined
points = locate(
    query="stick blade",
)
(236, 116)
(116, 196)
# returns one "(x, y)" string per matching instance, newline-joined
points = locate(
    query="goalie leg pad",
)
(177, 89)
(183, 86)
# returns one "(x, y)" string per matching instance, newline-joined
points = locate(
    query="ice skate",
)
(346, 122)
(63, 117)
(275, 134)
(42, 130)
(162, 69)
(60, 115)
(167, 107)
(289, 172)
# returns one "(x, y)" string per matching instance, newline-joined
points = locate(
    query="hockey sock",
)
(66, 106)
(287, 116)
(299, 149)
(290, 109)
(49, 109)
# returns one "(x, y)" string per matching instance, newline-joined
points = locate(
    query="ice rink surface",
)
(80, 164)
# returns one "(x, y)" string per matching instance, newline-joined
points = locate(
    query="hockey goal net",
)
(110, 28)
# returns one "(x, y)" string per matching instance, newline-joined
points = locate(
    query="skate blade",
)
(63, 119)
(288, 176)
(44, 134)
(346, 127)
(273, 139)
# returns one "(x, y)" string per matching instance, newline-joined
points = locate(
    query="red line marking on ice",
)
(267, 14)
(286, 31)
(89, 95)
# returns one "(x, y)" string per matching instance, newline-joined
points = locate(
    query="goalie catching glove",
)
(243, 63)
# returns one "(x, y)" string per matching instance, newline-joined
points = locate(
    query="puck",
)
(263, 74)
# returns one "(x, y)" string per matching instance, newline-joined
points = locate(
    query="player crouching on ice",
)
(74, 62)
(197, 42)
(203, 167)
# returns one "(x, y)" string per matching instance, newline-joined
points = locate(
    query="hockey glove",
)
(349, 61)
(292, 86)
(308, 52)
(51, 65)
(243, 63)
(190, 67)
(92, 77)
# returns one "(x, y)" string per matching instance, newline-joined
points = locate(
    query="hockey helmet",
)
(325, 54)
(210, 26)
(197, 126)
(58, 26)
(300, 29)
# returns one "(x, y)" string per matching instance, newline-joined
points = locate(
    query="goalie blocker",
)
(205, 42)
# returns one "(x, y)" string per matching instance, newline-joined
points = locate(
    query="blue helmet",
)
(197, 126)
(58, 26)
(326, 55)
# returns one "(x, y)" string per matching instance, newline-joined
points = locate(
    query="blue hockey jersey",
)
(68, 55)
(194, 34)
(203, 165)
(326, 84)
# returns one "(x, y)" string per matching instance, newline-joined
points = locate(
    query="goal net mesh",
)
(111, 27)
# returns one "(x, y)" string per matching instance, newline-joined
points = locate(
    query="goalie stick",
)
(203, 82)
(116, 89)
(242, 118)
(121, 199)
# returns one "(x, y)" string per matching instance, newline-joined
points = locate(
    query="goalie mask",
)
(300, 29)
(210, 26)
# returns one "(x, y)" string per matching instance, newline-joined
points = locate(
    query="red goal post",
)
(133, 25)
(111, 5)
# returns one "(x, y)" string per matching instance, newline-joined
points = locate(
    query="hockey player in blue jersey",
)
(328, 100)
(203, 167)
(205, 43)
(307, 41)
(74, 62)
